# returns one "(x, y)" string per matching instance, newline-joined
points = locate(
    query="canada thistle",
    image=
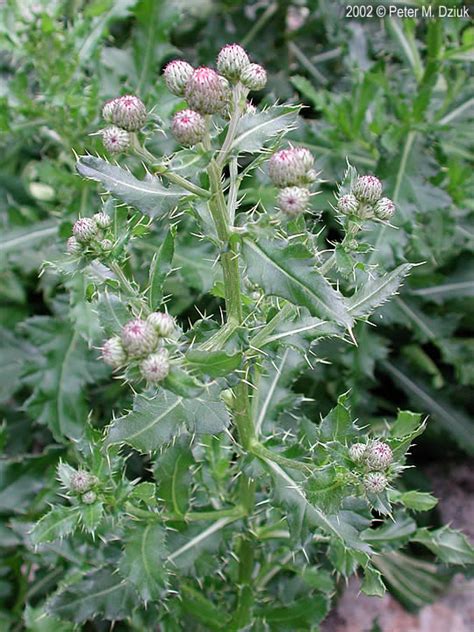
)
(155, 367)
(102, 220)
(384, 209)
(254, 77)
(73, 247)
(89, 498)
(290, 167)
(176, 75)
(375, 482)
(367, 189)
(84, 229)
(113, 353)
(205, 91)
(232, 60)
(108, 110)
(293, 200)
(357, 452)
(163, 323)
(139, 338)
(115, 139)
(188, 127)
(129, 113)
(379, 455)
(81, 481)
(348, 204)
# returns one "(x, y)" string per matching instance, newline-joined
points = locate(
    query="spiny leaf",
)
(160, 268)
(213, 363)
(149, 196)
(376, 291)
(451, 546)
(255, 130)
(172, 473)
(288, 271)
(56, 524)
(142, 562)
(154, 422)
(100, 594)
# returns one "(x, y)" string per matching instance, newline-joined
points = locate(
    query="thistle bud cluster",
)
(141, 343)
(292, 171)
(81, 481)
(125, 114)
(91, 235)
(375, 457)
(208, 91)
(365, 200)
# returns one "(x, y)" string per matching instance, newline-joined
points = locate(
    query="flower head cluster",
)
(375, 457)
(208, 91)
(125, 114)
(365, 200)
(141, 343)
(292, 171)
(91, 235)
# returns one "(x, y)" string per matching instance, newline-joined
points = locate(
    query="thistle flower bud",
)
(379, 455)
(108, 110)
(348, 204)
(155, 367)
(254, 77)
(73, 247)
(84, 229)
(139, 338)
(357, 452)
(113, 353)
(231, 61)
(375, 482)
(163, 323)
(205, 92)
(81, 481)
(384, 209)
(176, 75)
(115, 139)
(188, 127)
(291, 166)
(129, 112)
(89, 498)
(102, 220)
(367, 189)
(106, 245)
(293, 200)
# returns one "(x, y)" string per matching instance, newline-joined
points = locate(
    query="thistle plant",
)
(242, 488)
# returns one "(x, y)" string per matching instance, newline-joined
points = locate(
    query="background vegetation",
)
(395, 97)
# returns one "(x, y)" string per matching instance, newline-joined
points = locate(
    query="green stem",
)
(259, 339)
(264, 453)
(328, 264)
(128, 288)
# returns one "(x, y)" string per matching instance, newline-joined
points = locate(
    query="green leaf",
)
(160, 268)
(302, 614)
(91, 516)
(302, 515)
(451, 546)
(142, 562)
(405, 423)
(154, 422)
(418, 501)
(288, 271)
(213, 363)
(113, 313)
(376, 291)
(337, 425)
(202, 609)
(173, 476)
(56, 524)
(37, 620)
(101, 594)
(21, 239)
(254, 131)
(414, 582)
(372, 583)
(393, 533)
(149, 196)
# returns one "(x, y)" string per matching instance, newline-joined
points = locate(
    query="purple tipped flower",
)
(176, 75)
(384, 209)
(379, 455)
(113, 353)
(293, 200)
(289, 167)
(348, 204)
(254, 77)
(205, 91)
(375, 482)
(115, 139)
(139, 338)
(73, 247)
(163, 323)
(367, 189)
(129, 113)
(188, 127)
(155, 367)
(231, 61)
(84, 229)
